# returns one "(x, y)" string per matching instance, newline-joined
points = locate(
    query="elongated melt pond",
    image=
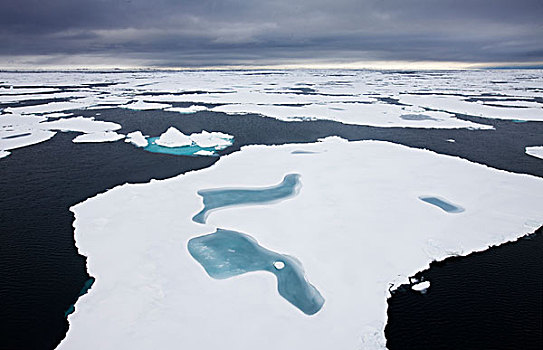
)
(224, 254)
(443, 204)
(220, 198)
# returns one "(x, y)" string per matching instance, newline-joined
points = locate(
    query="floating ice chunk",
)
(451, 140)
(187, 110)
(103, 136)
(173, 138)
(206, 139)
(141, 105)
(4, 154)
(421, 287)
(80, 124)
(279, 265)
(136, 138)
(203, 152)
(535, 151)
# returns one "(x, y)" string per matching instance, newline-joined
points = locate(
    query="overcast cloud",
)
(231, 32)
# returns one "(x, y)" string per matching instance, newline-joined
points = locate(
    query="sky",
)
(215, 33)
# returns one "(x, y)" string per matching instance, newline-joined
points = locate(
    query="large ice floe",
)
(356, 224)
(18, 131)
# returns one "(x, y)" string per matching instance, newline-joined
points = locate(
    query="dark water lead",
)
(226, 197)
(225, 254)
(88, 284)
(443, 204)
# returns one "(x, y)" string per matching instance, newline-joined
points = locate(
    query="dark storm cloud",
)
(186, 32)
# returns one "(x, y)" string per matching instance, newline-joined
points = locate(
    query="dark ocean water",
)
(41, 273)
(486, 300)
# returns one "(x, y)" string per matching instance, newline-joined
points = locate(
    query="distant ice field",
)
(373, 98)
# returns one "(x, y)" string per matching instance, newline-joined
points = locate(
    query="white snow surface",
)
(203, 152)
(343, 226)
(103, 136)
(215, 139)
(80, 124)
(187, 110)
(535, 151)
(18, 131)
(142, 105)
(173, 138)
(136, 138)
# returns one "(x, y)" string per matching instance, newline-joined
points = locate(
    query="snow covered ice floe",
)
(142, 105)
(103, 136)
(343, 226)
(23, 137)
(4, 154)
(136, 138)
(173, 138)
(217, 140)
(535, 151)
(80, 124)
(187, 110)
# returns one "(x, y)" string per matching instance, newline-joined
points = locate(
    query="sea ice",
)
(141, 105)
(535, 151)
(343, 226)
(187, 110)
(218, 140)
(173, 138)
(421, 287)
(102, 136)
(25, 139)
(203, 152)
(80, 124)
(4, 154)
(136, 138)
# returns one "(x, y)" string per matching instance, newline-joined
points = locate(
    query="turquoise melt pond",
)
(178, 151)
(224, 254)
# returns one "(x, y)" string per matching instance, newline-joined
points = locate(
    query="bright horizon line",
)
(359, 65)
